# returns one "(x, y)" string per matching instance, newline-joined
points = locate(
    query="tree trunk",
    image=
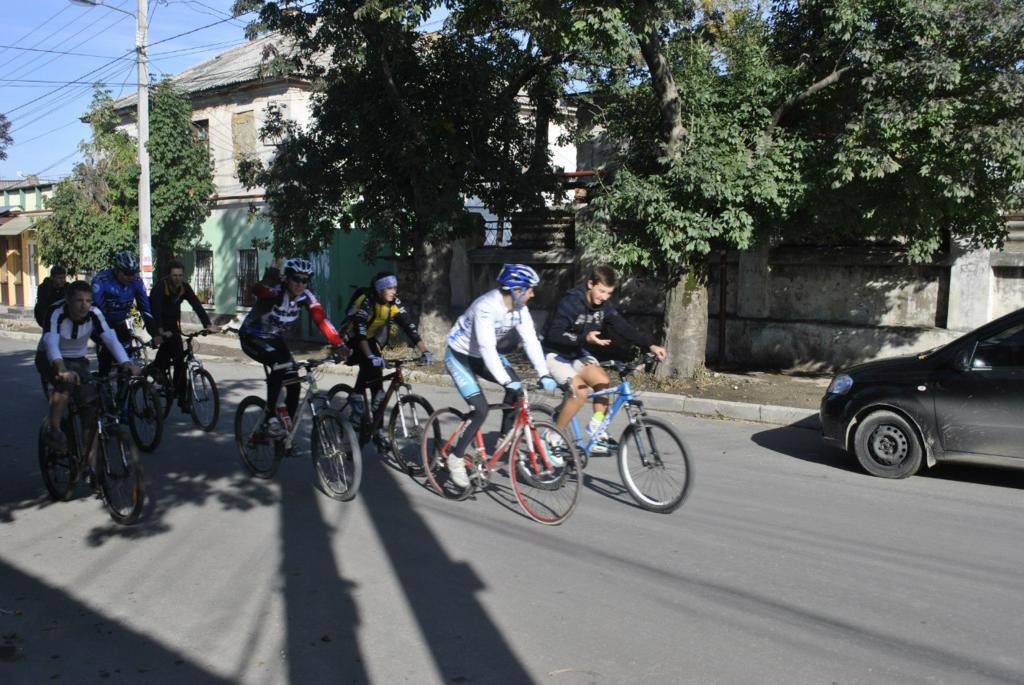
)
(686, 327)
(432, 265)
(686, 305)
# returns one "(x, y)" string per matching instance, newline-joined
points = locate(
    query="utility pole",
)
(142, 116)
(145, 227)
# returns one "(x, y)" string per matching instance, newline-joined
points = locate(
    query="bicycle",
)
(334, 448)
(405, 426)
(139, 400)
(118, 474)
(545, 472)
(201, 390)
(653, 460)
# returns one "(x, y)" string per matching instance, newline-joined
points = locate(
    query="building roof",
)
(232, 68)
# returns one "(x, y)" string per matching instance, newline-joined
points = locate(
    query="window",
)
(202, 278)
(243, 135)
(248, 266)
(201, 134)
(1003, 350)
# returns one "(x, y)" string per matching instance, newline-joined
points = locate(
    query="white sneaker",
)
(275, 429)
(457, 470)
(555, 448)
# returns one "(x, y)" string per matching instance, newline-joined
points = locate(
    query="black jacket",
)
(574, 318)
(48, 294)
(165, 301)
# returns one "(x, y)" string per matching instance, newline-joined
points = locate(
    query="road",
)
(786, 565)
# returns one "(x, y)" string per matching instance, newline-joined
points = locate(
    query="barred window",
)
(248, 274)
(202, 278)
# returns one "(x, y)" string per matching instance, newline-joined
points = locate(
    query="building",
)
(231, 95)
(23, 203)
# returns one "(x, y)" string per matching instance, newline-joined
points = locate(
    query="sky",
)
(52, 51)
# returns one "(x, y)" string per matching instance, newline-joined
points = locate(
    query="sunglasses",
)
(300, 280)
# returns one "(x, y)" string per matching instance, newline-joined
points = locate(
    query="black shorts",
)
(79, 365)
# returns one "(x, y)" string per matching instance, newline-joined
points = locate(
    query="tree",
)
(5, 136)
(820, 120)
(405, 127)
(676, 191)
(95, 211)
(913, 115)
(181, 175)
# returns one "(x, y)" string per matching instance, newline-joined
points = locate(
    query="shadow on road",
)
(807, 445)
(50, 637)
(442, 593)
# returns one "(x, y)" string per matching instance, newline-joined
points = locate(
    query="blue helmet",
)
(517, 276)
(125, 261)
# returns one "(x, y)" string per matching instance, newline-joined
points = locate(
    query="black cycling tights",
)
(274, 352)
(478, 403)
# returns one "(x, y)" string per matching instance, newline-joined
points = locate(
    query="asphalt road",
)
(786, 565)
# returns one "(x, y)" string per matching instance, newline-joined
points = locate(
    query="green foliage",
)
(181, 174)
(665, 212)
(5, 136)
(405, 127)
(923, 137)
(95, 211)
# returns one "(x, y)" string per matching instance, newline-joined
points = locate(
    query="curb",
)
(771, 414)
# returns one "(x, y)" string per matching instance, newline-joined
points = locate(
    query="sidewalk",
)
(749, 396)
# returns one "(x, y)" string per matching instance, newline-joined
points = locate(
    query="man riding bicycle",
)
(166, 298)
(61, 357)
(576, 323)
(113, 292)
(368, 332)
(277, 309)
(473, 351)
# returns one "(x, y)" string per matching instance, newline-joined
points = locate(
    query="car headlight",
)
(840, 385)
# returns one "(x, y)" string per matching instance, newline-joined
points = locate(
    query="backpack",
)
(359, 295)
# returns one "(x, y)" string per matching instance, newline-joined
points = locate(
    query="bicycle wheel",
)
(260, 453)
(156, 377)
(654, 465)
(120, 476)
(204, 402)
(405, 430)
(439, 437)
(145, 414)
(546, 412)
(337, 459)
(60, 470)
(545, 478)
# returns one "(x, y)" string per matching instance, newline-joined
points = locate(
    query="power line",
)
(55, 52)
(44, 23)
(55, 90)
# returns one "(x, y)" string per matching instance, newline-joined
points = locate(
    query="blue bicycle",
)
(653, 460)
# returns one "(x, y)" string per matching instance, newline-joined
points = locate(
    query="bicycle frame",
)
(312, 397)
(397, 378)
(523, 428)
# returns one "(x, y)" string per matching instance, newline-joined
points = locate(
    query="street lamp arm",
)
(98, 3)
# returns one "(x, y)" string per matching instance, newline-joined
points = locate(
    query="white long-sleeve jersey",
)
(63, 337)
(478, 330)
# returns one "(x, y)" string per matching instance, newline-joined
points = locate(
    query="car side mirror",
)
(962, 361)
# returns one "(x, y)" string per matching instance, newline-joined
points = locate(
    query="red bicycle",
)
(544, 464)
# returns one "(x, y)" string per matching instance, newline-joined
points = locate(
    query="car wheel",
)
(887, 445)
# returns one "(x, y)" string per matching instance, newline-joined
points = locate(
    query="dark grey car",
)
(963, 401)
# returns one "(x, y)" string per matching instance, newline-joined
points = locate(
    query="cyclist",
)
(61, 357)
(576, 323)
(472, 351)
(277, 309)
(166, 298)
(113, 292)
(50, 292)
(369, 331)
